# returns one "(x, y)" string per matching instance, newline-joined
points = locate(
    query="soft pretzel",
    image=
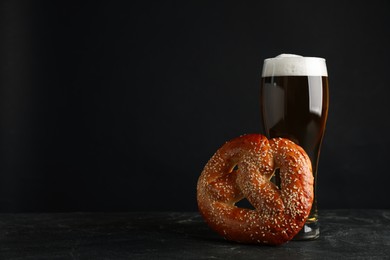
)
(242, 168)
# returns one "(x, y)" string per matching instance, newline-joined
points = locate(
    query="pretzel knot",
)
(243, 168)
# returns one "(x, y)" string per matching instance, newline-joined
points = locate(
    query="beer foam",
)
(294, 65)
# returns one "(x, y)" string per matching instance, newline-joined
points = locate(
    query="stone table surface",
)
(350, 234)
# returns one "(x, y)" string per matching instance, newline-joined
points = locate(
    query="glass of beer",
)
(294, 105)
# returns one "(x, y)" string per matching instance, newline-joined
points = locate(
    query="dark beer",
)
(295, 106)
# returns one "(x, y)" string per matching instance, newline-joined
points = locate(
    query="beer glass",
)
(294, 105)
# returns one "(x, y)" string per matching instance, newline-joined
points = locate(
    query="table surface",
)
(351, 234)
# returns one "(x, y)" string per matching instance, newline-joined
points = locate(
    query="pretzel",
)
(242, 168)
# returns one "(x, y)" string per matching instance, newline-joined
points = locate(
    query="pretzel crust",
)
(242, 168)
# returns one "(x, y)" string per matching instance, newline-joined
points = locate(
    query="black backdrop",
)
(111, 106)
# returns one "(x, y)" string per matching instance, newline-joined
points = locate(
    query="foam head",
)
(294, 65)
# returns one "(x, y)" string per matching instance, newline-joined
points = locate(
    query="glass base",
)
(310, 231)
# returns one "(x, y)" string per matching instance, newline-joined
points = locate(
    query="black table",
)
(351, 234)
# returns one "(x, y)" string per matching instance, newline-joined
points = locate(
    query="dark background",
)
(111, 106)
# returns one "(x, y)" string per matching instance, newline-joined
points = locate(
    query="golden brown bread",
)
(279, 214)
